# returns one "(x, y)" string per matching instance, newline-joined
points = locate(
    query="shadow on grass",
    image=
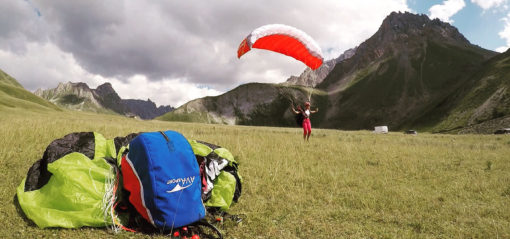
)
(20, 212)
(147, 229)
(31, 223)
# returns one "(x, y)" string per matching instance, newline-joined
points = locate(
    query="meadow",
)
(341, 184)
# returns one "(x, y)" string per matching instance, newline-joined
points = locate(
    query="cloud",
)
(43, 65)
(176, 91)
(487, 4)
(48, 65)
(195, 42)
(505, 34)
(501, 49)
(19, 25)
(446, 10)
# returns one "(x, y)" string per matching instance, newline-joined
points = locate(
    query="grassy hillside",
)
(13, 95)
(74, 102)
(342, 184)
(251, 104)
(484, 98)
(8, 80)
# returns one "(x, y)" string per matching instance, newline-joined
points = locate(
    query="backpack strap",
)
(169, 143)
(164, 135)
(205, 223)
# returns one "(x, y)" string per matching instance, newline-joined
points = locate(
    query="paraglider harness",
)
(212, 169)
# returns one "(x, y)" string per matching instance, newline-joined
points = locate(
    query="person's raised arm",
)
(294, 110)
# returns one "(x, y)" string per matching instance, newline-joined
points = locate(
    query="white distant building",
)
(381, 129)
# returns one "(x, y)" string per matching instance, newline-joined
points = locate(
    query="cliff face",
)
(109, 99)
(74, 96)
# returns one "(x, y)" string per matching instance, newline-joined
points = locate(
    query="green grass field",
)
(342, 184)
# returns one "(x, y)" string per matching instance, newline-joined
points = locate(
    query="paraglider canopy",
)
(286, 40)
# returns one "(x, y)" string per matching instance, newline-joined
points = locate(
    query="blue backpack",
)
(163, 178)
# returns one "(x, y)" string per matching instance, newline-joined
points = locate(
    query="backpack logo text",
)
(186, 182)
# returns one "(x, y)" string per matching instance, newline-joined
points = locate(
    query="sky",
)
(176, 51)
(483, 22)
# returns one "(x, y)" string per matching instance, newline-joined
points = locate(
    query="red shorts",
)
(307, 126)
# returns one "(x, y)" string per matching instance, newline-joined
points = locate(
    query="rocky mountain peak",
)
(79, 89)
(401, 26)
(401, 35)
(105, 89)
(311, 78)
(402, 22)
(69, 86)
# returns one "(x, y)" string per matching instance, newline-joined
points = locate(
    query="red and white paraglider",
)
(286, 40)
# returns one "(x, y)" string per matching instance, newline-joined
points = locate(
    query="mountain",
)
(311, 78)
(14, 96)
(414, 72)
(248, 104)
(400, 75)
(109, 99)
(103, 99)
(74, 96)
(146, 109)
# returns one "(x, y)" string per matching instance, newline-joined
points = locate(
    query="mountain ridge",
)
(103, 99)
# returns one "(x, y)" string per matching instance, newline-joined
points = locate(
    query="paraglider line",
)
(178, 206)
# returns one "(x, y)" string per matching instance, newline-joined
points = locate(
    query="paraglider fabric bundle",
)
(73, 184)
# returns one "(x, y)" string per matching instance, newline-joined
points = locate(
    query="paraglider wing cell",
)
(243, 48)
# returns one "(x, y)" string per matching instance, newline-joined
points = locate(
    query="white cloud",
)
(501, 49)
(45, 65)
(487, 4)
(170, 91)
(446, 10)
(505, 34)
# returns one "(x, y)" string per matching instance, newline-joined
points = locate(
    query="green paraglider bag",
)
(66, 188)
(220, 178)
(73, 197)
(223, 192)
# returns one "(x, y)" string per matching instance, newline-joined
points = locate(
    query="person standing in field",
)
(307, 125)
